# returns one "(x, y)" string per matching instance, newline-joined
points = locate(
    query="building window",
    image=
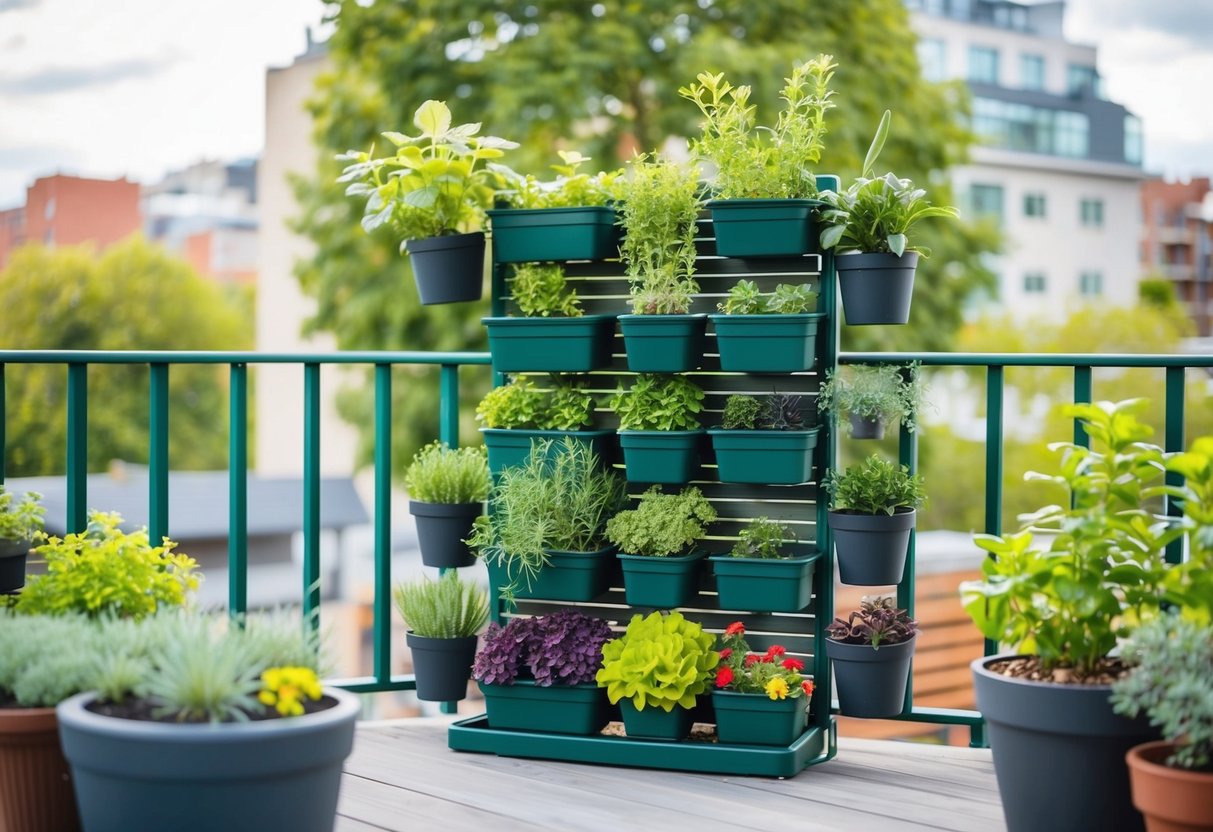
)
(1134, 144)
(1032, 72)
(1090, 284)
(1072, 135)
(1033, 205)
(1032, 129)
(986, 201)
(1090, 213)
(1034, 283)
(983, 65)
(932, 57)
(1083, 80)
(48, 212)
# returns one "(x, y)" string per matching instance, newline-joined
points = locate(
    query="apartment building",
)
(64, 210)
(1177, 242)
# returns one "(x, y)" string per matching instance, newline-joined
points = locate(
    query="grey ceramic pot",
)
(871, 682)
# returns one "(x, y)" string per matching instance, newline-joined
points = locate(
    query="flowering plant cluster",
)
(285, 689)
(564, 648)
(774, 672)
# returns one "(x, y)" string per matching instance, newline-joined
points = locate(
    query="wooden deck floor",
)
(402, 776)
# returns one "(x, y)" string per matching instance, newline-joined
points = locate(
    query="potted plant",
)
(871, 651)
(432, 193)
(537, 674)
(765, 191)
(443, 618)
(233, 716)
(20, 525)
(867, 226)
(546, 534)
(656, 546)
(1171, 661)
(764, 441)
(447, 488)
(766, 570)
(553, 335)
(655, 671)
(767, 333)
(871, 397)
(569, 218)
(759, 698)
(1059, 608)
(873, 507)
(660, 215)
(659, 428)
(518, 415)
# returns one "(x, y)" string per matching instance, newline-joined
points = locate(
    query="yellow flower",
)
(285, 688)
(777, 688)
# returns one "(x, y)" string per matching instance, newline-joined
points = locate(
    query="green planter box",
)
(767, 343)
(662, 583)
(764, 585)
(764, 227)
(559, 709)
(551, 345)
(778, 457)
(756, 719)
(512, 447)
(664, 343)
(661, 456)
(569, 576)
(655, 723)
(523, 235)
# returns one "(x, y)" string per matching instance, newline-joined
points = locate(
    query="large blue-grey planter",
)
(135, 776)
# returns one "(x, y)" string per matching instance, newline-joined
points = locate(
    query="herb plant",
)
(661, 661)
(874, 486)
(562, 648)
(764, 162)
(20, 520)
(570, 189)
(876, 622)
(745, 298)
(662, 525)
(1190, 584)
(659, 402)
(762, 538)
(773, 673)
(884, 392)
(541, 291)
(778, 411)
(741, 412)
(520, 404)
(452, 476)
(659, 212)
(446, 608)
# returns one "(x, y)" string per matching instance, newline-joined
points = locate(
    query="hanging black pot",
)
(12, 564)
(441, 530)
(448, 269)
(866, 427)
(442, 666)
(876, 288)
(871, 681)
(871, 548)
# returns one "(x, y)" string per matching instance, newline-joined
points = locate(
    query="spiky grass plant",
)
(446, 608)
(451, 476)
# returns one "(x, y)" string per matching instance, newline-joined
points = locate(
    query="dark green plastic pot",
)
(522, 235)
(441, 530)
(569, 576)
(661, 456)
(442, 666)
(663, 583)
(764, 227)
(655, 723)
(764, 584)
(448, 269)
(777, 457)
(876, 288)
(664, 343)
(509, 448)
(767, 343)
(267, 774)
(13, 554)
(871, 682)
(872, 548)
(557, 709)
(756, 719)
(551, 345)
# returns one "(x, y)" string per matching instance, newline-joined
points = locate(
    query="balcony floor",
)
(402, 776)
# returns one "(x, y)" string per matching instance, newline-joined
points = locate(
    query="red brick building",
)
(68, 210)
(1177, 242)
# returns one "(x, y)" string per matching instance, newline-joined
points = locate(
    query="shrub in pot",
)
(867, 398)
(867, 226)
(656, 543)
(759, 698)
(517, 415)
(432, 193)
(660, 213)
(764, 440)
(443, 618)
(659, 428)
(447, 488)
(537, 674)
(765, 189)
(20, 526)
(873, 506)
(871, 651)
(765, 570)
(767, 333)
(545, 536)
(655, 671)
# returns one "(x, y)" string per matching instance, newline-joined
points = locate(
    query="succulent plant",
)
(876, 622)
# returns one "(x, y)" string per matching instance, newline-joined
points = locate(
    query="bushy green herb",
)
(569, 189)
(661, 661)
(659, 402)
(520, 404)
(1190, 584)
(745, 298)
(886, 393)
(446, 608)
(20, 520)
(874, 486)
(662, 525)
(568, 405)
(451, 476)
(541, 291)
(107, 571)
(778, 411)
(762, 538)
(741, 412)
(764, 162)
(659, 213)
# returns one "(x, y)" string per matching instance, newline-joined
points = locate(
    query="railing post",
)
(448, 398)
(3, 423)
(994, 459)
(1173, 442)
(237, 467)
(907, 453)
(311, 495)
(157, 456)
(77, 447)
(1082, 395)
(383, 522)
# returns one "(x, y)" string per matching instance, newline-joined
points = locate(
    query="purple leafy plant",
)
(876, 622)
(564, 648)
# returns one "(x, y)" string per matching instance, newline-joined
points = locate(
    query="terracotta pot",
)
(1172, 799)
(35, 782)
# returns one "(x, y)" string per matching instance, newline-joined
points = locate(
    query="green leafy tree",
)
(602, 77)
(134, 296)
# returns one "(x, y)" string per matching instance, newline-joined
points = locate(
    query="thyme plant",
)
(659, 212)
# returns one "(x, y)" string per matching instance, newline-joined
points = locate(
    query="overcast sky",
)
(136, 87)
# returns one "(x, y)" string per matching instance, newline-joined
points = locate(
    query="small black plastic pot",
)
(442, 666)
(872, 548)
(876, 288)
(871, 681)
(13, 555)
(448, 269)
(866, 427)
(441, 530)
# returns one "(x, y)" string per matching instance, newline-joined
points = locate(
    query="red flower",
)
(808, 686)
(724, 676)
(726, 652)
(793, 664)
(751, 659)
(735, 629)
(775, 650)
(767, 659)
